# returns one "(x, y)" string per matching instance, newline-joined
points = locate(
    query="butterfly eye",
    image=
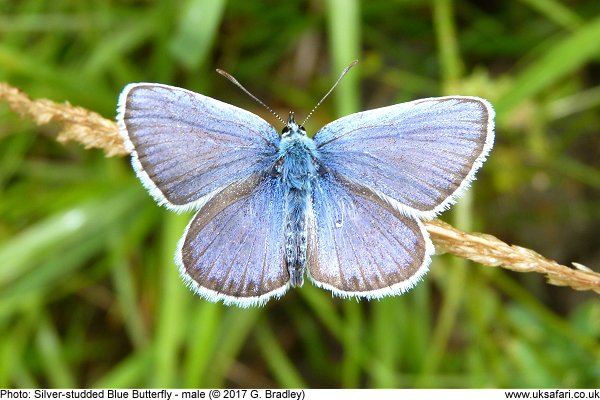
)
(303, 130)
(285, 130)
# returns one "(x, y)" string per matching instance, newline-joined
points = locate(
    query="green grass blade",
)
(451, 64)
(352, 342)
(564, 57)
(173, 312)
(201, 342)
(235, 329)
(53, 355)
(343, 18)
(286, 374)
(556, 12)
(21, 253)
(133, 371)
(197, 29)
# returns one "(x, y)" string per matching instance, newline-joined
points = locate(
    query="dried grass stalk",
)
(78, 124)
(92, 130)
(488, 250)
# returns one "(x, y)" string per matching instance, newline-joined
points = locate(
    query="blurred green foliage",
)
(89, 294)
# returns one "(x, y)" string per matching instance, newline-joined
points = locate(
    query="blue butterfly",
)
(345, 207)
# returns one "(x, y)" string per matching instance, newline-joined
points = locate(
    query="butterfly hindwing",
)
(186, 147)
(233, 249)
(359, 246)
(419, 155)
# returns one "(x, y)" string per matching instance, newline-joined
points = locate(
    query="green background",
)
(89, 294)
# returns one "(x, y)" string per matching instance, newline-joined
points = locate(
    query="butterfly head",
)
(292, 127)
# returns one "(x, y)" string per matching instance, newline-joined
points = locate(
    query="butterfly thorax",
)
(297, 168)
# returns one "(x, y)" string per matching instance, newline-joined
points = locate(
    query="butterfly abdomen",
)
(298, 173)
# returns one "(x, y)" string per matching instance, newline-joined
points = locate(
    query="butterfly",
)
(344, 208)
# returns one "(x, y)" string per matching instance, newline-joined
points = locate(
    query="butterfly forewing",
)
(233, 247)
(186, 146)
(420, 155)
(360, 246)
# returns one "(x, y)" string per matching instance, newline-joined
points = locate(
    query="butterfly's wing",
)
(360, 246)
(186, 147)
(419, 156)
(233, 249)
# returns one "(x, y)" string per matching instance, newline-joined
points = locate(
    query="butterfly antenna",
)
(344, 72)
(235, 82)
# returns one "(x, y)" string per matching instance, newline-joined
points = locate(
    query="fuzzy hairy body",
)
(298, 167)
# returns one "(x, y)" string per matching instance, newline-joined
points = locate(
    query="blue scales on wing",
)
(360, 246)
(419, 155)
(233, 249)
(186, 147)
